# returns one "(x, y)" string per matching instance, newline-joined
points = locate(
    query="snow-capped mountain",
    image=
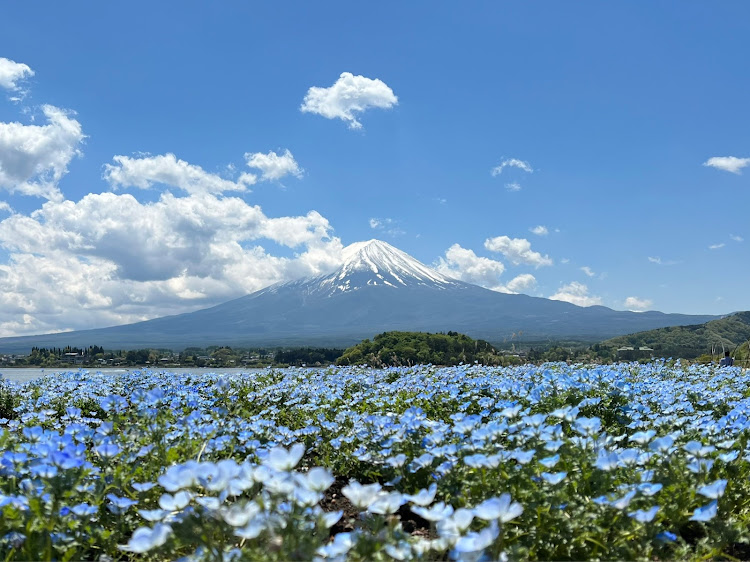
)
(376, 289)
(372, 264)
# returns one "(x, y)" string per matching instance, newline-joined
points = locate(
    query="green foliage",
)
(412, 348)
(307, 356)
(689, 342)
(8, 401)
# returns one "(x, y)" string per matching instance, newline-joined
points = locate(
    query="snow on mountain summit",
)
(374, 263)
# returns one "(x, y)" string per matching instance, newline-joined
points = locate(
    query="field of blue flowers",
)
(553, 462)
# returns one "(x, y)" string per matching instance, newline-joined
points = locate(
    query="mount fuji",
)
(377, 288)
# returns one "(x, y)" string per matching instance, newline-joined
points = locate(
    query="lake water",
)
(29, 374)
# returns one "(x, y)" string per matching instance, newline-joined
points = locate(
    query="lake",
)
(22, 375)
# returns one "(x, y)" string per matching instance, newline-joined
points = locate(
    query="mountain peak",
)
(376, 263)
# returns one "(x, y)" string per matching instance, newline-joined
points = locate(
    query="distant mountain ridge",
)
(378, 288)
(693, 340)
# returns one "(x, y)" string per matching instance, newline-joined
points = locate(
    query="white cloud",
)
(513, 163)
(658, 261)
(517, 250)
(463, 264)
(635, 304)
(11, 73)
(576, 293)
(513, 186)
(716, 246)
(736, 238)
(727, 163)
(588, 271)
(4, 206)
(520, 284)
(33, 158)
(348, 96)
(539, 230)
(387, 226)
(110, 259)
(143, 172)
(272, 166)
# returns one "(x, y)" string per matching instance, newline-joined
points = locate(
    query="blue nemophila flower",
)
(623, 502)
(661, 444)
(522, 457)
(400, 551)
(342, 543)
(705, 513)
(437, 512)
(649, 489)
(606, 460)
(84, 509)
(643, 437)
(107, 450)
(386, 503)
(423, 497)
(331, 518)
(14, 539)
(476, 542)
(317, 479)
(588, 426)
(666, 536)
(142, 486)
(396, 461)
(175, 502)
(549, 462)
(153, 514)
(208, 502)
(729, 457)
(644, 516)
(361, 495)
(283, 459)
(145, 539)
(238, 515)
(555, 478)
(179, 476)
(118, 504)
(43, 470)
(456, 525)
(714, 490)
(498, 508)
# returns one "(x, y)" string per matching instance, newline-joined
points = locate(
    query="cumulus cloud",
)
(635, 304)
(33, 158)
(513, 186)
(588, 271)
(11, 73)
(520, 284)
(144, 172)
(517, 250)
(513, 163)
(576, 293)
(350, 95)
(727, 163)
(539, 230)
(736, 238)
(716, 246)
(110, 259)
(272, 166)
(463, 264)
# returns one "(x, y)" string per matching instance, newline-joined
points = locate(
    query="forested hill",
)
(411, 348)
(691, 341)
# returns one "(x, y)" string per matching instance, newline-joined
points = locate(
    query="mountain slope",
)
(378, 288)
(693, 340)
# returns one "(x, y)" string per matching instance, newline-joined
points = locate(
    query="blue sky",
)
(155, 157)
